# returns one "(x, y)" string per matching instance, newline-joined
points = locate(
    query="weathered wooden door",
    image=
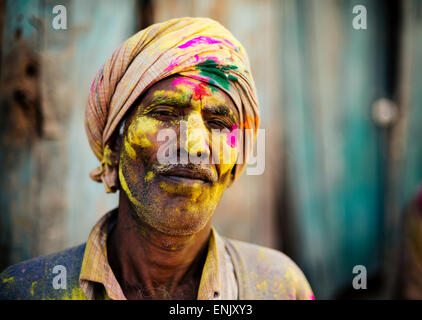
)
(346, 156)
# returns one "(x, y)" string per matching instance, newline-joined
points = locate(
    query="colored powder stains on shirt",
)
(7, 280)
(279, 285)
(33, 287)
(217, 72)
(76, 294)
(215, 263)
(262, 286)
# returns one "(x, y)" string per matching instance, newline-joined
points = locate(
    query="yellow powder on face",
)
(129, 150)
(126, 188)
(223, 153)
(174, 95)
(201, 197)
(140, 131)
(214, 99)
(193, 192)
(199, 98)
(149, 176)
(144, 142)
(196, 135)
(228, 156)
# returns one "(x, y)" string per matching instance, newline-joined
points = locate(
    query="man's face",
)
(179, 198)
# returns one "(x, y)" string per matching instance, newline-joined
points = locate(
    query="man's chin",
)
(176, 209)
(172, 227)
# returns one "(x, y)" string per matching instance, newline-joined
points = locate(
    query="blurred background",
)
(341, 109)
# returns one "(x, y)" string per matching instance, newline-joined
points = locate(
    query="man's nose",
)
(196, 136)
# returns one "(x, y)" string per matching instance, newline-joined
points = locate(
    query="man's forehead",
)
(182, 84)
(190, 89)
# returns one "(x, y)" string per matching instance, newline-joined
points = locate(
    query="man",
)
(172, 117)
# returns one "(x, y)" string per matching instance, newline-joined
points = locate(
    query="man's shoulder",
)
(33, 279)
(263, 257)
(268, 273)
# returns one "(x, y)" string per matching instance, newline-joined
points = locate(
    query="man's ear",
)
(110, 167)
(232, 175)
(117, 143)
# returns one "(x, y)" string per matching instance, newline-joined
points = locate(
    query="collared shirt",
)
(232, 270)
(97, 280)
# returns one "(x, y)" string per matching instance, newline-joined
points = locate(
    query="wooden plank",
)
(21, 127)
(49, 201)
(406, 149)
(328, 72)
(94, 41)
(408, 142)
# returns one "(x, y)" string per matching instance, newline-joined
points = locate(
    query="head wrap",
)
(200, 48)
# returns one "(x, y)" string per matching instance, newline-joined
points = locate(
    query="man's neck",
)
(149, 264)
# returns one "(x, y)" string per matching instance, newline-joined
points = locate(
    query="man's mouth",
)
(188, 174)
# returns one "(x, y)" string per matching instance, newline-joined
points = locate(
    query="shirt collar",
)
(95, 267)
(217, 280)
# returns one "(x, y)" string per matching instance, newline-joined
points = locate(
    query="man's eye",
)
(218, 124)
(163, 113)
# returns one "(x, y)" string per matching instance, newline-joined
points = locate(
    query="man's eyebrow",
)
(221, 110)
(176, 99)
(169, 98)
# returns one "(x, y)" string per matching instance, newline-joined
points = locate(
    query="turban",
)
(200, 48)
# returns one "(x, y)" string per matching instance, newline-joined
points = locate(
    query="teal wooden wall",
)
(49, 202)
(348, 177)
(329, 86)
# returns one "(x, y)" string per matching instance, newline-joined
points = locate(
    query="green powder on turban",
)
(217, 72)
